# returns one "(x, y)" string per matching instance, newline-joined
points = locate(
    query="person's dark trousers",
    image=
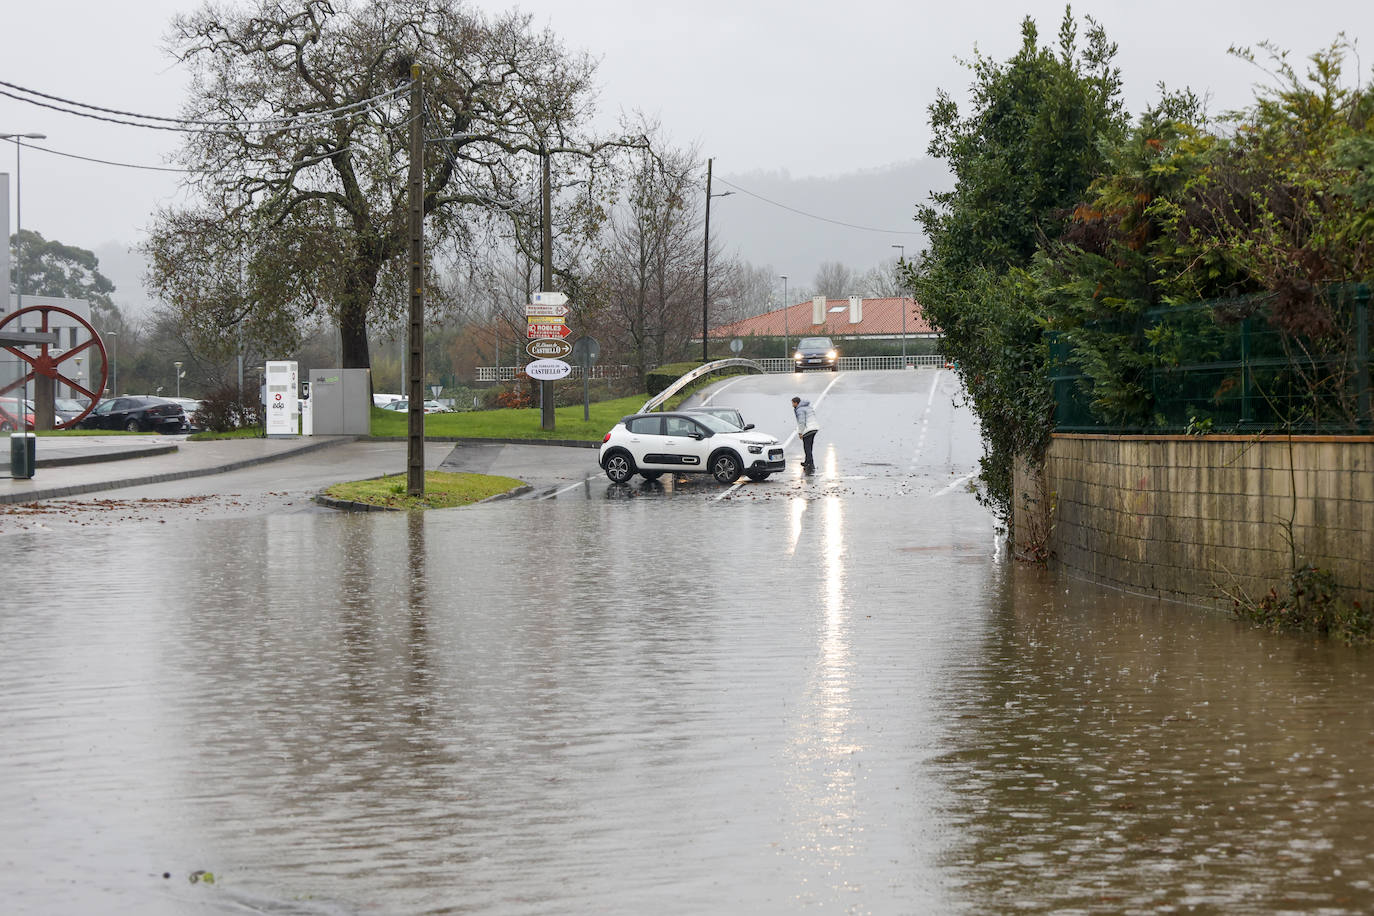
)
(808, 440)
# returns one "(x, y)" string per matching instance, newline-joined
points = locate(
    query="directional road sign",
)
(536, 331)
(534, 310)
(543, 348)
(545, 298)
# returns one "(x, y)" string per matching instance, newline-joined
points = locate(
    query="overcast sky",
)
(805, 89)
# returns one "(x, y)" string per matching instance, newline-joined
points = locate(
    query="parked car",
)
(816, 353)
(652, 444)
(190, 406)
(10, 416)
(67, 409)
(728, 414)
(136, 414)
(430, 406)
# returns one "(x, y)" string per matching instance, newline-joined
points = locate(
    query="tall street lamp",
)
(179, 375)
(706, 262)
(114, 364)
(901, 260)
(785, 305)
(18, 228)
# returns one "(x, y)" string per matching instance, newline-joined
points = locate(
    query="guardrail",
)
(850, 363)
(511, 373)
(698, 372)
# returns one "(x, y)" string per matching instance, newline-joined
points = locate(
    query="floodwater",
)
(832, 693)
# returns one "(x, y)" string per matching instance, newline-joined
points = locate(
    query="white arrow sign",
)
(545, 311)
(545, 298)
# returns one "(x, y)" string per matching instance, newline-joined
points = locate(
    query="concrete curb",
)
(102, 457)
(348, 505)
(467, 440)
(34, 496)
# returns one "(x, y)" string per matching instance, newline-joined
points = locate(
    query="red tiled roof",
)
(880, 317)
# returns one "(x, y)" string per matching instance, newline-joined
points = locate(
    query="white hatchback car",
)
(652, 444)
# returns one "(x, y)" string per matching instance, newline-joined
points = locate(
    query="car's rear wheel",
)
(132, 426)
(6, 426)
(620, 467)
(725, 467)
(757, 475)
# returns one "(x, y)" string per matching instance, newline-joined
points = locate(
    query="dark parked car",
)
(816, 353)
(137, 414)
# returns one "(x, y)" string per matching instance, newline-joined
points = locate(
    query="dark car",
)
(816, 353)
(137, 415)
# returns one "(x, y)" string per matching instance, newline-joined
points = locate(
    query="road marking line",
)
(958, 482)
(572, 486)
(925, 420)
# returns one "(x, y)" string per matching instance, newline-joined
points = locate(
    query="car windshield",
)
(715, 424)
(814, 343)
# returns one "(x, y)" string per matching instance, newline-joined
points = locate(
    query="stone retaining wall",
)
(1198, 518)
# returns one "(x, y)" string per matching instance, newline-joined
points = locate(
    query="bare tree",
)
(835, 280)
(299, 170)
(882, 280)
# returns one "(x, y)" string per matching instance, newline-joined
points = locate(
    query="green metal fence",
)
(1223, 366)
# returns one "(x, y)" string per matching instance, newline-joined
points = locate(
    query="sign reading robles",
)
(548, 369)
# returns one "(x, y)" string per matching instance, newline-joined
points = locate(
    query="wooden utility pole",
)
(706, 268)
(415, 443)
(546, 415)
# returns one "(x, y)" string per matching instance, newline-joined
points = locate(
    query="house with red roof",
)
(887, 318)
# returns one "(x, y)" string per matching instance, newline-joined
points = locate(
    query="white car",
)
(430, 406)
(652, 444)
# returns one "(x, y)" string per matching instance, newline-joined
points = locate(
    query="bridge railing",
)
(851, 363)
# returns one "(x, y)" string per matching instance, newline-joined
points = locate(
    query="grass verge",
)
(442, 490)
(511, 423)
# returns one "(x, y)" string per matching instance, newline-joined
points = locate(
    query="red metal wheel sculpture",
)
(49, 361)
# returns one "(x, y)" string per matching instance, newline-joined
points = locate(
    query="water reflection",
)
(1127, 756)
(653, 705)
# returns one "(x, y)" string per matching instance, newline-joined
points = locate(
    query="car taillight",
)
(606, 438)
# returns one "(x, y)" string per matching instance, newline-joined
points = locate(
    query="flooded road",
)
(828, 693)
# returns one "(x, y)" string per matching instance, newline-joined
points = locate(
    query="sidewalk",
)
(70, 466)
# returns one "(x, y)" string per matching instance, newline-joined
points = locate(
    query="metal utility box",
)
(340, 402)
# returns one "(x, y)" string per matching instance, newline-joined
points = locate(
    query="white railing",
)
(851, 363)
(511, 373)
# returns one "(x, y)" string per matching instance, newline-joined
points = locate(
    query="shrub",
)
(226, 409)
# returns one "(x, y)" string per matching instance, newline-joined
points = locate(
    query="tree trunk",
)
(358, 289)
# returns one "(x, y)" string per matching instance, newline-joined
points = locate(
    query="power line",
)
(824, 219)
(161, 168)
(187, 125)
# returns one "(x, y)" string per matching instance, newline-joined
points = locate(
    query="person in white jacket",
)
(807, 427)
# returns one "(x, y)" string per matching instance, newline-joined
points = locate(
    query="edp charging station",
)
(282, 385)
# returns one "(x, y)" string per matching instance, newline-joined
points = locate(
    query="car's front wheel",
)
(619, 467)
(725, 467)
(132, 426)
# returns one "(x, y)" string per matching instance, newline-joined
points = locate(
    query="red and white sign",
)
(536, 331)
(534, 310)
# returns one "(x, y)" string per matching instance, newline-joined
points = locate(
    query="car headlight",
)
(831, 355)
(755, 449)
(797, 355)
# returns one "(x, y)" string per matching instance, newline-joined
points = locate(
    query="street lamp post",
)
(901, 260)
(706, 262)
(179, 375)
(114, 364)
(785, 305)
(18, 229)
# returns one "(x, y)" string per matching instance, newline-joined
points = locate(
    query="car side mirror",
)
(748, 426)
(698, 436)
